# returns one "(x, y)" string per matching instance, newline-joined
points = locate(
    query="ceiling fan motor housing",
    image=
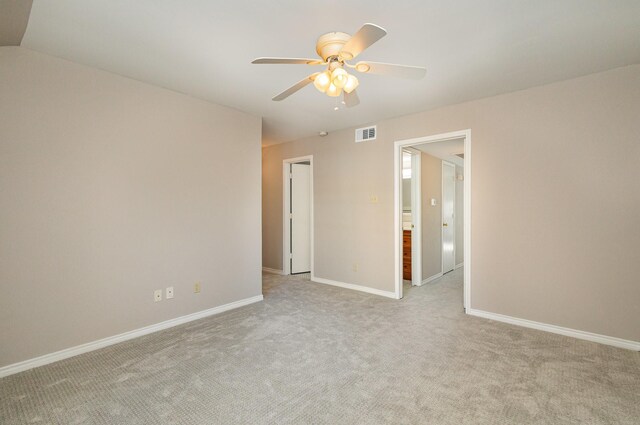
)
(330, 44)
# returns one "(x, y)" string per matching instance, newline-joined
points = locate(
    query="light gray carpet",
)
(315, 354)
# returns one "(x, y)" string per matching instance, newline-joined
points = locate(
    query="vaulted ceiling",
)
(14, 15)
(471, 49)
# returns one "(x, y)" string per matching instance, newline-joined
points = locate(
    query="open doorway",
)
(432, 176)
(297, 216)
(411, 210)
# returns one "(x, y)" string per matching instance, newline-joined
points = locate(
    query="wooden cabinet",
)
(406, 254)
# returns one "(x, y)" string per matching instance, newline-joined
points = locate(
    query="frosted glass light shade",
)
(352, 83)
(333, 91)
(339, 77)
(322, 81)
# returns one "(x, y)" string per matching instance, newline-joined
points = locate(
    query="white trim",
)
(101, 343)
(448, 164)
(432, 278)
(416, 218)
(458, 266)
(397, 176)
(588, 336)
(397, 217)
(360, 288)
(467, 220)
(272, 271)
(286, 265)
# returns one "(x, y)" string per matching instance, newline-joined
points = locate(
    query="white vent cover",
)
(364, 134)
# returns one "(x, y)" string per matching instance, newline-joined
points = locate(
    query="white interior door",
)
(448, 216)
(300, 218)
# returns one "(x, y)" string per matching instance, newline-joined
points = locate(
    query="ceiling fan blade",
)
(294, 88)
(351, 99)
(365, 37)
(293, 61)
(390, 69)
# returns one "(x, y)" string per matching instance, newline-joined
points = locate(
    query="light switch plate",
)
(157, 295)
(169, 292)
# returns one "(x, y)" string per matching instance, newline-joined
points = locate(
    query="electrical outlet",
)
(169, 292)
(355, 267)
(196, 288)
(373, 199)
(157, 295)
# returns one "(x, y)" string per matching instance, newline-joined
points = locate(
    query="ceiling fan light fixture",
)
(351, 84)
(322, 81)
(346, 55)
(362, 67)
(339, 77)
(333, 91)
(335, 49)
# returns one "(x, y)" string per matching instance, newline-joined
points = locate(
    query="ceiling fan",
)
(336, 49)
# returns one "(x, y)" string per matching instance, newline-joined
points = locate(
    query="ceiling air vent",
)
(365, 134)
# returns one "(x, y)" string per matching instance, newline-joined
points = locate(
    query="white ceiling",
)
(448, 150)
(471, 49)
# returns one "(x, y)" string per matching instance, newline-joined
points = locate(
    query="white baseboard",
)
(101, 343)
(588, 336)
(360, 288)
(459, 265)
(272, 271)
(432, 278)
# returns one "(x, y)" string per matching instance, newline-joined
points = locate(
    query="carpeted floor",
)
(316, 354)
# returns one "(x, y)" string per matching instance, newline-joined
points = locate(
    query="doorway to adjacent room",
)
(432, 213)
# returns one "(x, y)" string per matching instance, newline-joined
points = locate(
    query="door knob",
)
(445, 225)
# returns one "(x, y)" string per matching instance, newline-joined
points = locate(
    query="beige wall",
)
(343, 185)
(431, 187)
(555, 204)
(459, 215)
(109, 189)
(406, 195)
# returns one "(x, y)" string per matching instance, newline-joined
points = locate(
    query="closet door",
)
(300, 219)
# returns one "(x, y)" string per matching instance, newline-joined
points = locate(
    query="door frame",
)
(449, 164)
(397, 223)
(416, 216)
(286, 200)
